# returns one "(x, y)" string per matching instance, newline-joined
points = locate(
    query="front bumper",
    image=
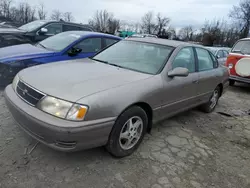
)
(54, 132)
(240, 79)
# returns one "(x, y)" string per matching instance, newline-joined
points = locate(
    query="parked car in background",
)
(37, 31)
(114, 97)
(142, 36)
(238, 62)
(220, 53)
(63, 46)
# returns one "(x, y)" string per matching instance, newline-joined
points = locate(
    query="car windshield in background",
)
(138, 56)
(242, 47)
(59, 41)
(32, 25)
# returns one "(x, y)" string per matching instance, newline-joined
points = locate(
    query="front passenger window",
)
(205, 61)
(90, 45)
(54, 29)
(185, 59)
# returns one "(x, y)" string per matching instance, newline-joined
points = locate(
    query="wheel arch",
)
(148, 110)
(221, 88)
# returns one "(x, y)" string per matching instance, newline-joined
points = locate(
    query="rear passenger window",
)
(225, 53)
(205, 61)
(70, 28)
(109, 42)
(220, 54)
(215, 61)
(185, 59)
(85, 29)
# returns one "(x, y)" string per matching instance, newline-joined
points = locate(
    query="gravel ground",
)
(190, 150)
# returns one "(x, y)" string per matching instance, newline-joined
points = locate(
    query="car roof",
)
(71, 23)
(166, 42)
(90, 33)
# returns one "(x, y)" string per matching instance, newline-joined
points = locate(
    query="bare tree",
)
(113, 25)
(148, 25)
(41, 12)
(103, 21)
(186, 33)
(162, 22)
(56, 15)
(24, 13)
(241, 13)
(5, 7)
(68, 16)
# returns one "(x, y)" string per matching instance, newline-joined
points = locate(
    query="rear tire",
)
(213, 101)
(128, 132)
(231, 82)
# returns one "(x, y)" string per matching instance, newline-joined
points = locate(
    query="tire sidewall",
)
(113, 145)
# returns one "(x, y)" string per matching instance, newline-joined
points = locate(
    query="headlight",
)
(15, 82)
(63, 109)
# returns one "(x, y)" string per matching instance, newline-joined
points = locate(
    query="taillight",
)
(230, 65)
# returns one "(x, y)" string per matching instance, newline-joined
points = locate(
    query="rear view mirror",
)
(74, 51)
(178, 71)
(43, 31)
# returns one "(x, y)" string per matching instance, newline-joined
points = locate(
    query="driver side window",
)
(53, 29)
(185, 58)
(90, 45)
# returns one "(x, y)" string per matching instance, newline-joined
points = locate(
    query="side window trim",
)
(196, 60)
(216, 64)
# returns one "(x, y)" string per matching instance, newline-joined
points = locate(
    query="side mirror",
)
(178, 71)
(218, 57)
(43, 31)
(74, 51)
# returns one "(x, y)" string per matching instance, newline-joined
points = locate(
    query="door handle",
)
(195, 81)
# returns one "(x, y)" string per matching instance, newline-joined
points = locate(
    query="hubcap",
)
(214, 99)
(131, 133)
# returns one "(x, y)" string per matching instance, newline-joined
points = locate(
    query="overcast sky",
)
(181, 12)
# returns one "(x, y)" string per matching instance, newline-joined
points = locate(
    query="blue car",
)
(64, 46)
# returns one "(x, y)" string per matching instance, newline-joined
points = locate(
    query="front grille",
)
(28, 94)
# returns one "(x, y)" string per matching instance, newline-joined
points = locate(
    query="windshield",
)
(32, 25)
(242, 47)
(59, 41)
(137, 56)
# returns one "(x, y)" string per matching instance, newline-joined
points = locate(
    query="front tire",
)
(127, 132)
(231, 82)
(213, 101)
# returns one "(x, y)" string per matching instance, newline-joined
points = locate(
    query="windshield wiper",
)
(41, 45)
(106, 62)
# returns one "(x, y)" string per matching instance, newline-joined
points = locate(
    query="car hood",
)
(23, 51)
(11, 30)
(73, 80)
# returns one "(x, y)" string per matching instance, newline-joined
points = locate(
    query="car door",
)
(181, 92)
(208, 77)
(89, 47)
(53, 29)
